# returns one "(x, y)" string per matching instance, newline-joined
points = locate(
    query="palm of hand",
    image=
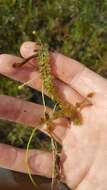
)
(84, 154)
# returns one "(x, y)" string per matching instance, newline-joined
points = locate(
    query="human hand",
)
(84, 148)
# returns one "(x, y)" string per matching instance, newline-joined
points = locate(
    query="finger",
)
(71, 72)
(40, 162)
(19, 111)
(29, 73)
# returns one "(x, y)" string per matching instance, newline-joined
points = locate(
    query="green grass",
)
(76, 28)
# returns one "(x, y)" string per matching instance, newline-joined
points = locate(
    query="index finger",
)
(71, 72)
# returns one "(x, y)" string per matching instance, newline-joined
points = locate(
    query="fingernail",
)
(27, 49)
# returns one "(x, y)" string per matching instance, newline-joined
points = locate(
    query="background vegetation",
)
(76, 28)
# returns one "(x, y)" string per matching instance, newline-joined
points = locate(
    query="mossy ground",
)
(77, 28)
